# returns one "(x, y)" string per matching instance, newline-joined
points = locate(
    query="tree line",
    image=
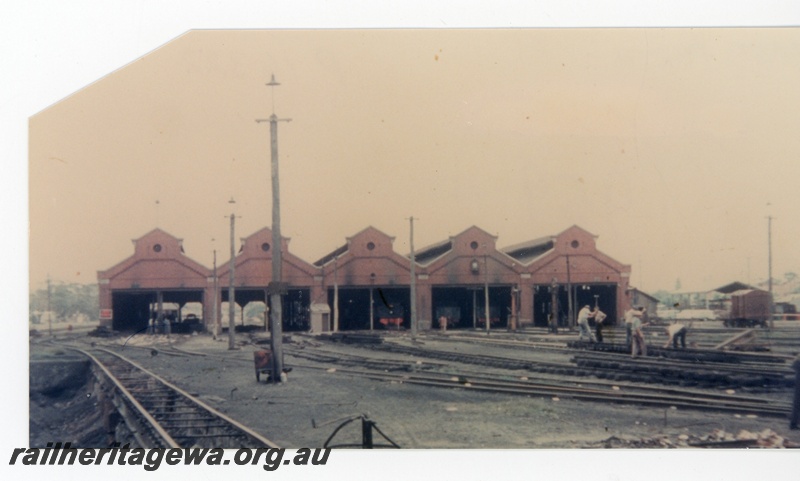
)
(66, 301)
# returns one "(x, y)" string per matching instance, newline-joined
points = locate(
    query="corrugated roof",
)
(331, 256)
(432, 252)
(530, 250)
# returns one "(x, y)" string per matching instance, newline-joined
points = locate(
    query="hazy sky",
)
(521, 133)
(671, 145)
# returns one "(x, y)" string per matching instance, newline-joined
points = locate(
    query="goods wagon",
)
(749, 308)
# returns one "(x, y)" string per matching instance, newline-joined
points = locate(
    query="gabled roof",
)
(156, 231)
(733, 287)
(429, 254)
(140, 255)
(346, 247)
(367, 229)
(641, 292)
(575, 226)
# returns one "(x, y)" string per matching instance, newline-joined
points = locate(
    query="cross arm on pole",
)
(258, 121)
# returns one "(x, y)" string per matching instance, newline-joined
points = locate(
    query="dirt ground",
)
(307, 409)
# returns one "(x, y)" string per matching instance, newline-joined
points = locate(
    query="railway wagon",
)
(749, 308)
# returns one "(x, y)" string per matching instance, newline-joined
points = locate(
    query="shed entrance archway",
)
(134, 310)
(602, 295)
(295, 304)
(391, 308)
(464, 306)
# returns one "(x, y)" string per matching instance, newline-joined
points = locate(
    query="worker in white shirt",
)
(583, 323)
(638, 346)
(630, 315)
(676, 332)
(599, 317)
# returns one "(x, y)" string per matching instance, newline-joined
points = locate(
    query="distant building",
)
(366, 284)
(643, 299)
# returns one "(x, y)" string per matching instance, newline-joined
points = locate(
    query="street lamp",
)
(231, 289)
(371, 302)
(215, 317)
(486, 286)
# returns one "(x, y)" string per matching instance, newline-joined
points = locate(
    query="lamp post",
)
(215, 317)
(335, 294)
(769, 251)
(486, 287)
(570, 307)
(231, 289)
(413, 282)
(371, 302)
(514, 308)
(554, 305)
(276, 288)
(49, 312)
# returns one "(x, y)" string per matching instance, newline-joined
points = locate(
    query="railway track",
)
(161, 415)
(450, 375)
(618, 367)
(669, 399)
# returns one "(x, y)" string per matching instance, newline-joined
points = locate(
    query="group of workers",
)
(635, 319)
(160, 325)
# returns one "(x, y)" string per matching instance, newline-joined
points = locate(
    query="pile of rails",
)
(686, 367)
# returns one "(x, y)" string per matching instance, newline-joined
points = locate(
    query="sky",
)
(671, 145)
(668, 145)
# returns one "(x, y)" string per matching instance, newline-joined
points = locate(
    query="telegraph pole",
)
(49, 313)
(277, 288)
(231, 293)
(486, 287)
(335, 294)
(413, 282)
(570, 306)
(215, 317)
(769, 253)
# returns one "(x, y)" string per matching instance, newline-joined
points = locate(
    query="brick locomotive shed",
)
(372, 281)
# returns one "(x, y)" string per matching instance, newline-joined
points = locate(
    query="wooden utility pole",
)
(231, 289)
(277, 288)
(215, 317)
(487, 311)
(413, 282)
(335, 294)
(769, 250)
(554, 305)
(49, 312)
(371, 301)
(570, 306)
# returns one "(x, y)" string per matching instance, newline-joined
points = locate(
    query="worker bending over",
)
(676, 332)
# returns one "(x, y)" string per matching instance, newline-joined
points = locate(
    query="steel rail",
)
(733, 405)
(767, 369)
(256, 436)
(170, 440)
(330, 357)
(165, 437)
